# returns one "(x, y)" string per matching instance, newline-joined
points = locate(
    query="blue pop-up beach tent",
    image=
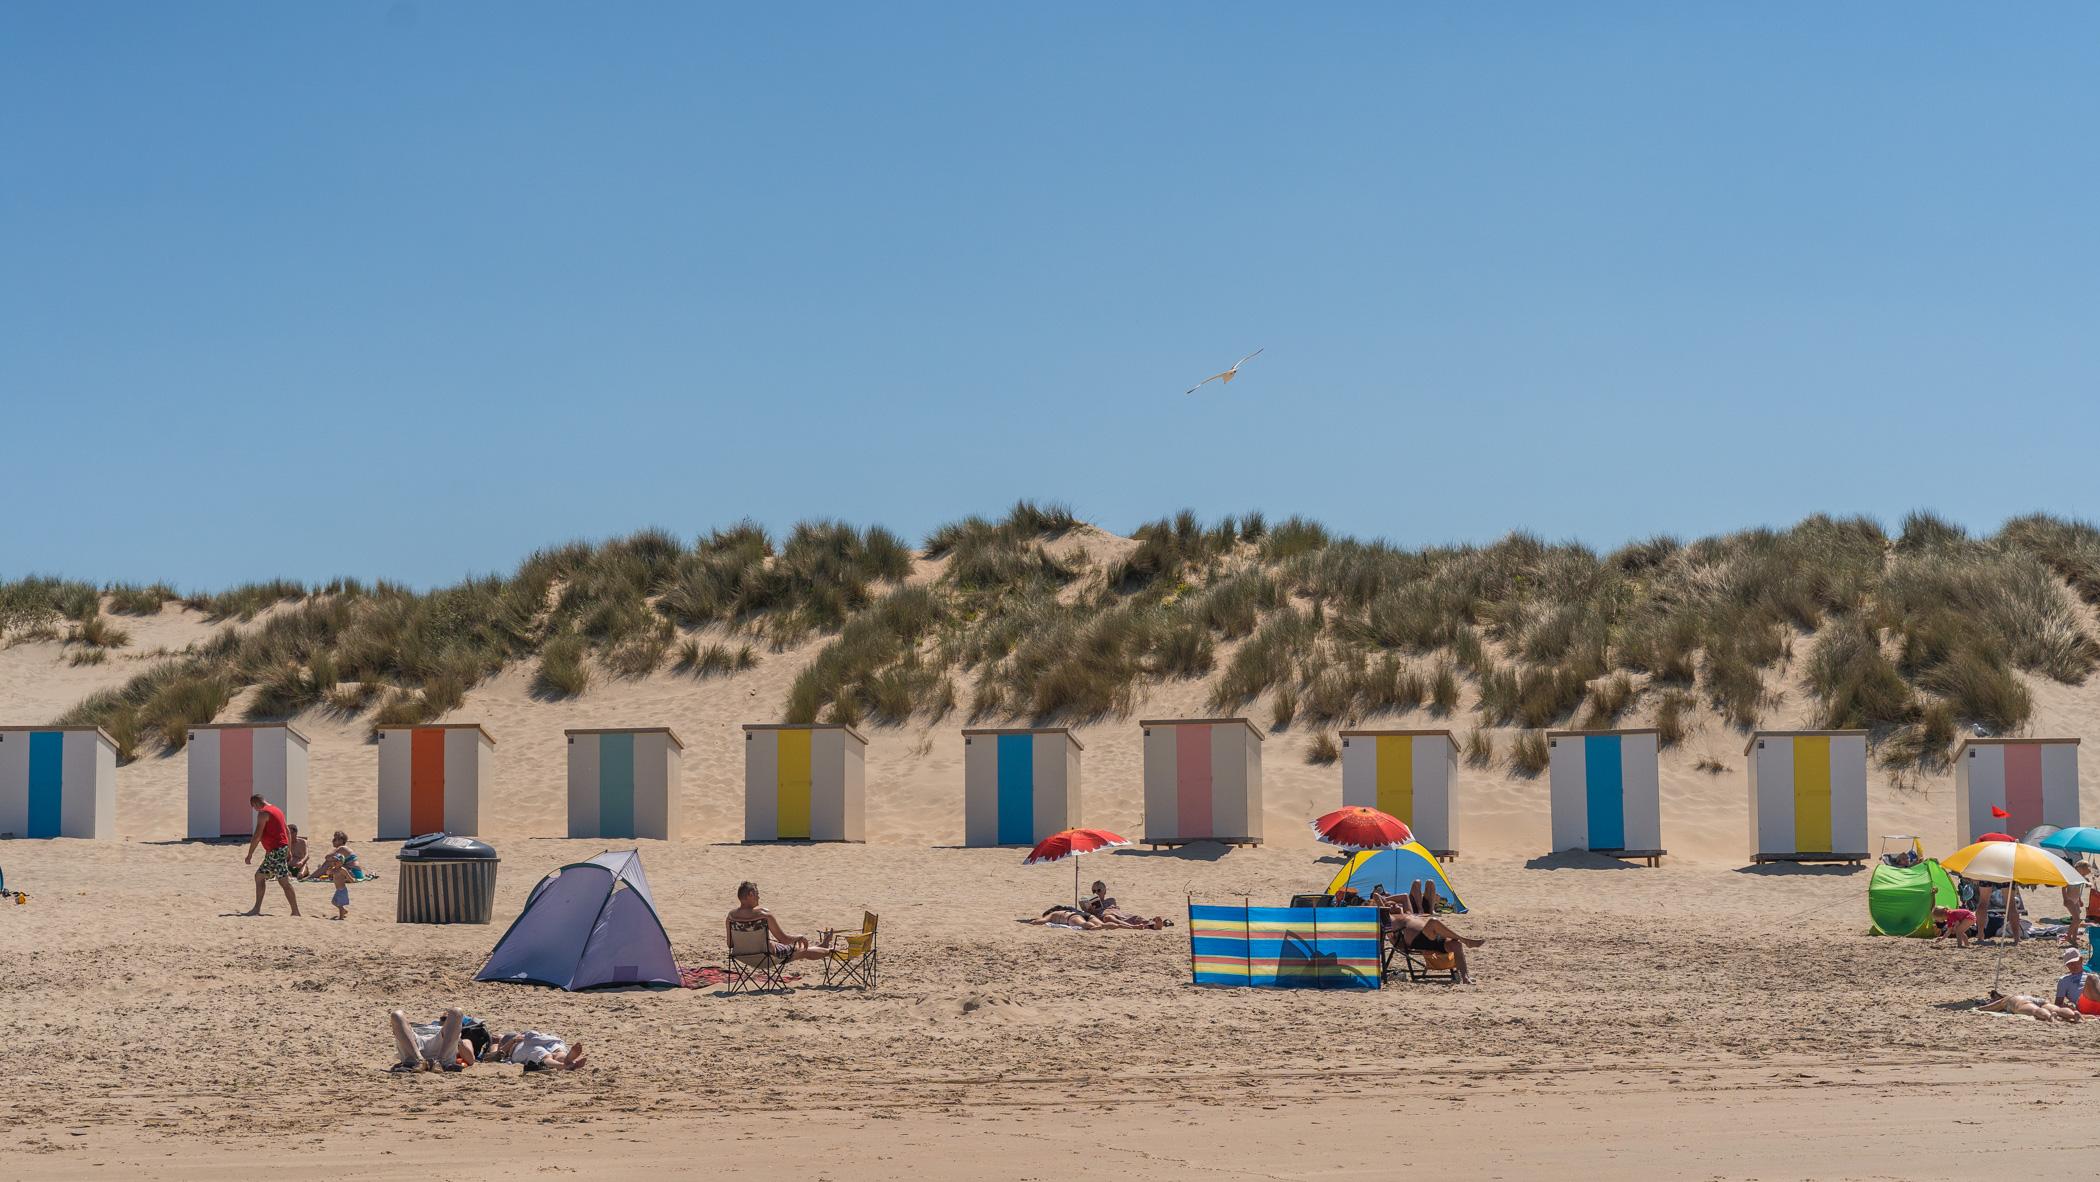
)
(585, 925)
(1395, 870)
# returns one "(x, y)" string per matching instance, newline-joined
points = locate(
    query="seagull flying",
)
(1227, 376)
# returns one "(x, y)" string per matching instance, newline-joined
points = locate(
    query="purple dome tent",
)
(586, 925)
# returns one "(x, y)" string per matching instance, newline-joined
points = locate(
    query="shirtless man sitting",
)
(786, 945)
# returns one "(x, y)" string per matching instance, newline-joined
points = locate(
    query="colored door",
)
(426, 781)
(794, 784)
(1017, 789)
(1396, 777)
(1192, 788)
(1606, 790)
(2023, 787)
(616, 785)
(47, 755)
(1812, 794)
(236, 781)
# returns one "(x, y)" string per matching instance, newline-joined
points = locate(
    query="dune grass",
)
(1529, 755)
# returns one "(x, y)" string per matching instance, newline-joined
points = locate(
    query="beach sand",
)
(1703, 1019)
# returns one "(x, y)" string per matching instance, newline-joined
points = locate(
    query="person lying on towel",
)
(1102, 906)
(537, 1050)
(1420, 899)
(1062, 916)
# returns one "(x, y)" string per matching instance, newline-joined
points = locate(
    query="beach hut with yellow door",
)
(804, 782)
(229, 762)
(57, 781)
(1808, 796)
(1202, 781)
(1405, 774)
(430, 778)
(624, 782)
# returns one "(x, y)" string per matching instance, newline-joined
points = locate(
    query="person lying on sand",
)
(429, 1046)
(2028, 1007)
(1062, 916)
(537, 1050)
(1102, 906)
(792, 947)
(1958, 922)
(1426, 934)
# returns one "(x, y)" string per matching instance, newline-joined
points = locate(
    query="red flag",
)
(1998, 812)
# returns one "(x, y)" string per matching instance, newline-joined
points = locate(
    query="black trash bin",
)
(446, 879)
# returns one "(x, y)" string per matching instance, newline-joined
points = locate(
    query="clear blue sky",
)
(410, 289)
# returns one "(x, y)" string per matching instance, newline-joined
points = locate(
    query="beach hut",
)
(623, 782)
(1606, 793)
(1020, 785)
(430, 778)
(1202, 781)
(2034, 780)
(57, 781)
(228, 762)
(1808, 796)
(1405, 774)
(804, 782)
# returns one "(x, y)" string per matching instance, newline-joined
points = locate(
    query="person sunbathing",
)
(785, 945)
(1062, 916)
(1424, 933)
(2028, 1007)
(428, 1046)
(536, 1050)
(1420, 899)
(1102, 906)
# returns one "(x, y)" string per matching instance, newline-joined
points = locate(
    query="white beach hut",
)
(1202, 781)
(228, 762)
(1020, 785)
(57, 781)
(430, 778)
(1407, 774)
(624, 782)
(804, 782)
(1808, 796)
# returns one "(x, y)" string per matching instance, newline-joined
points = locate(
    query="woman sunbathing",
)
(2028, 1007)
(1064, 917)
(1424, 934)
(1102, 906)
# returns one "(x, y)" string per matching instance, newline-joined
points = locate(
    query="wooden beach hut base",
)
(1652, 857)
(1169, 842)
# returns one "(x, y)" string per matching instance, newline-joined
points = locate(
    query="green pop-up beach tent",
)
(1900, 899)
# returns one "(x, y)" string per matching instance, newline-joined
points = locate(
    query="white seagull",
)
(1227, 376)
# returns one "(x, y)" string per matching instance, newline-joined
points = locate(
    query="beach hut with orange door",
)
(804, 782)
(2035, 781)
(430, 778)
(57, 781)
(228, 762)
(1405, 774)
(1202, 781)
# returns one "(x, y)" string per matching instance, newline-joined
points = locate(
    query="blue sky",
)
(409, 289)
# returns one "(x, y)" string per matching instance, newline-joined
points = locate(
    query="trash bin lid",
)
(443, 847)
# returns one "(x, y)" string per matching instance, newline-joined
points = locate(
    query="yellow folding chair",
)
(857, 962)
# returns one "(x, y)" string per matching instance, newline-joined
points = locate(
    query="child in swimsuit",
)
(339, 873)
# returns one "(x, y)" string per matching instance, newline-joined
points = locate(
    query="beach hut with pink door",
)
(228, 762)
(1202, 781)
(2034, 780)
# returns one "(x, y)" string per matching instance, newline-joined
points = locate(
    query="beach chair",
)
(752, 962)
(1419, 966)
(1312, 900)
(857, 961)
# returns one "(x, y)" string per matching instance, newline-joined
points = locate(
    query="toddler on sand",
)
(339, 874)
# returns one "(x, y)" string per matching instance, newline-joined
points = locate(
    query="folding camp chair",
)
(1418, 964)
(753, 964)
(857, 961)
(1312, 900)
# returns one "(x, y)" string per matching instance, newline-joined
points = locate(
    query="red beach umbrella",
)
(1360, 828)
(1998, 837)
(1070, 843)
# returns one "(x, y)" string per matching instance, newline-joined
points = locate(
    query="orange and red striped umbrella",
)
(1361, 828)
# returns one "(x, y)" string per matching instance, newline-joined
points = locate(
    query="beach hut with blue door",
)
(1020, 785)
(1606, 792)
(624, 782)
(57, 781)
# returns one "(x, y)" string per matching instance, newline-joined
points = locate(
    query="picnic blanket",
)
(703, 976)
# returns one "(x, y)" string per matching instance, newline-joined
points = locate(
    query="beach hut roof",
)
(806, 726)
(254, 726)
(443, 726)
(103, 734)
(1025, 730)
(1370, 731)
(1756, 735)
(1631, 730)
(628, 730)
(1247, 722)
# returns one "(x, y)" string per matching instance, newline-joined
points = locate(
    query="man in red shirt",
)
(270, 833)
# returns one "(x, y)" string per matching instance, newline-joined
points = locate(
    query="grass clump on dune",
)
(1529, 754)
(564, 669)
(126, 599)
